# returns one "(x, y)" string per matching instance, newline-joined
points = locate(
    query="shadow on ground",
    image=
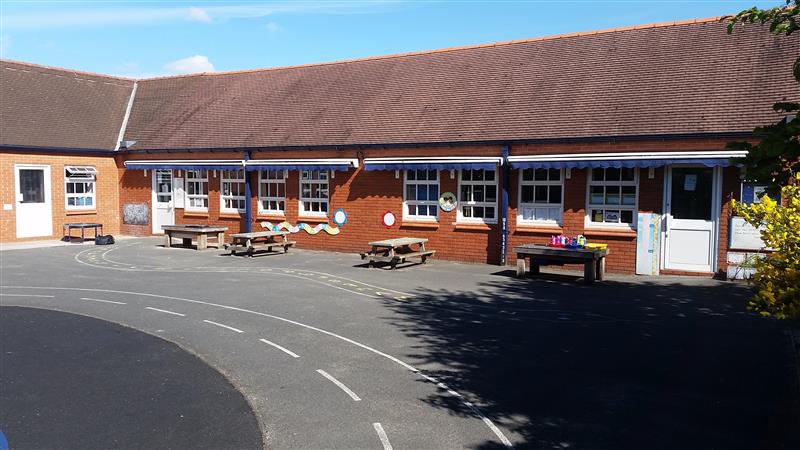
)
(619, 365)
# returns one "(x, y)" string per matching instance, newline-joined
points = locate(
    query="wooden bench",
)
(593, 260)
(81, 226)
(397, 250)
(249, 243)
(199, 233)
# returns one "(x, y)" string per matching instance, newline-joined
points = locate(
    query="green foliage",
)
(776, 156)
(777, 276)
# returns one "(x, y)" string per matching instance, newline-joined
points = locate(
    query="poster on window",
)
(180, 193)
(611, 217)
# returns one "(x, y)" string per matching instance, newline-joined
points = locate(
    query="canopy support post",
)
(248, 205)
(506, 171)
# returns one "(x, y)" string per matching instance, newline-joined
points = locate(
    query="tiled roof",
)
(655, 80)
(56, 108)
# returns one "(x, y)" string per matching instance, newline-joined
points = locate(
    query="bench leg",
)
(588, 271)
(601, 269)
(187, 242)
(220, 240)
(202, 242)
(167, 240)
(520, 266)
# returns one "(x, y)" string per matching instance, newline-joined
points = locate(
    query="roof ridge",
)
(63, 69)
(449, 49)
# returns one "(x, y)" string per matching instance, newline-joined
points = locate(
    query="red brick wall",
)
(366, 195)
(106, 194)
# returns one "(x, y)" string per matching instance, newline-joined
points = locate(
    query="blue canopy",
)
(175, 166)
(455, 165)
(618, 163)
(299, 166)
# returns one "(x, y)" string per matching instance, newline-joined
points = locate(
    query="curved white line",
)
(394, 359)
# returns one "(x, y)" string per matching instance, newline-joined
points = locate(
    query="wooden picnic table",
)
(200, 233)
(259, 240)
(593, 260)
(397, 250)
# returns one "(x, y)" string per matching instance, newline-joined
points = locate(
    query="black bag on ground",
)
(104, 240)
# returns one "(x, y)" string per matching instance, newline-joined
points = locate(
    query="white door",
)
(163, 205)
(690, 233)
(34, 208)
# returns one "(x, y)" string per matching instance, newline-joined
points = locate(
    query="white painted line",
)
(475, 411)
(223, 326)
(26, 295)
(340, 385)
(283, 349)
(164, 311)
(382, 435)
(102, 301)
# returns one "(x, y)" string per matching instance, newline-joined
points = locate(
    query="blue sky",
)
(148, 38)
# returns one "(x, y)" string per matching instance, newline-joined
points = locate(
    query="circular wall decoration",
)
(340, 217)
(448, 201)
(389, 219)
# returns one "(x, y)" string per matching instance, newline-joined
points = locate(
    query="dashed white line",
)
(223, 326)
(26, 295)
(102, 301)
(382, 435)
(283, 349)
(340, 385)
(165, 311)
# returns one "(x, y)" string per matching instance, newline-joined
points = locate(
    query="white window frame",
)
(321, 183)
(461, 182)
(407, 202)
(633, 208)
(272, 198)
(203, 181)
(520, 216)
(86, 175)
(225, 178)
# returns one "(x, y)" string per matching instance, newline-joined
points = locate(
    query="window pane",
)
(422, 192)
(554, 174)
(411, 175)
(629, 195)
(70, 188)
(433, 192)
(489, 212)
(411, 192)
(432, 175)
(628, 174)
(612, 195)
(491, 193)
(477, 193)
(465, 193)
(541, 194)
(597, 215)
(527, 194)
(89, 201)
(555, 194)
(626, 216)
(540, 175)
(613, 174)
(489, 175)
(79, 187)
(596, 195)
(467, 211)
(478, 211)
(466, 175)
(527, 174)
(598, 174)
(477, 175)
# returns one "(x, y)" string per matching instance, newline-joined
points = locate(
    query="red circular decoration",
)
(389, 219)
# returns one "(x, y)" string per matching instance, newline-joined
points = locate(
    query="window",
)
(314, 192)
(80, 187)
(421, 194)
(197, 190)
(477, 195)
(271, 191)
(541, 194)
(232, 191)
(612, 196)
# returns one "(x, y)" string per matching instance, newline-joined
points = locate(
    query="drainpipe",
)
(248, 209)
(506, 170)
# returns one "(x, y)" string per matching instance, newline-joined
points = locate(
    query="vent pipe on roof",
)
(122, 128)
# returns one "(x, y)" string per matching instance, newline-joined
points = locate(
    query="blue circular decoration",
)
(340, 217)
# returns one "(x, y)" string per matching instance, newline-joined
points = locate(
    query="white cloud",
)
(273, 27)
(198, 15)
(192, 64)
(106, 16)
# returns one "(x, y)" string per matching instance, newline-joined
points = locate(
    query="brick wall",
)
(106, 195)
(366, 195)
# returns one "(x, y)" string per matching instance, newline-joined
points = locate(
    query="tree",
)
(776, 157)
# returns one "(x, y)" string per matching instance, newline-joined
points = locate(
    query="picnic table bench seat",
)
(396, 251)
(593, 260)
(249, 243)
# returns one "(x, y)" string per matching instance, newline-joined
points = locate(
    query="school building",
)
(580, 134)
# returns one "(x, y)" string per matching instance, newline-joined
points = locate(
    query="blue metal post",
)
(248, 209)
(506, 171)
